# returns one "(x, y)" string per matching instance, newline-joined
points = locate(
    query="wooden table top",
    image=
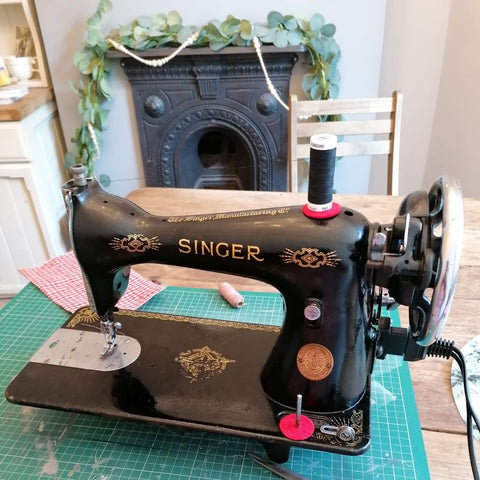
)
(443, 429)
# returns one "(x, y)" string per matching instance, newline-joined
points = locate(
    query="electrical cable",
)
(446, 349)
(471, 415)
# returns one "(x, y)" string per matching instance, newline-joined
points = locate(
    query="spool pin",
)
(296, 426)
(234, 298)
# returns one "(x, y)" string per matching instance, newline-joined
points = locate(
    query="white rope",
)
(94, 139)
(159, 62)
(271, 87)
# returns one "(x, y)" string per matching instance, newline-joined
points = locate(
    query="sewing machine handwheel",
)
(446, 232)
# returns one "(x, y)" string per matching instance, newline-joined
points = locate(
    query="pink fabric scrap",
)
(60, 279)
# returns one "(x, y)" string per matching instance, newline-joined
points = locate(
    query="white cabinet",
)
(32, 213)
(22, 13)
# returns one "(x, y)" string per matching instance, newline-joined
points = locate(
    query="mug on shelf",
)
(20, 67)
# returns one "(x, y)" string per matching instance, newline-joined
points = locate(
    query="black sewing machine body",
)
(300, 256)
(331, 272)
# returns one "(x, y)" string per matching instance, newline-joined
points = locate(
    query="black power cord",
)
(446, 349)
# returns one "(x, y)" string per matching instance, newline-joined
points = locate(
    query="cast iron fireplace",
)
(207, 120)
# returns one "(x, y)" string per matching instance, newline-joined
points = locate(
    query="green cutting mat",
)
(39, 443)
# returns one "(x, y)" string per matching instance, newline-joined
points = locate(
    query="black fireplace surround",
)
(207, 120)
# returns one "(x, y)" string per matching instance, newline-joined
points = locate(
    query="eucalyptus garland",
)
(168, 30)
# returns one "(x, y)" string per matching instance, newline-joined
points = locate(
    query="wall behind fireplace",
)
(360, 32)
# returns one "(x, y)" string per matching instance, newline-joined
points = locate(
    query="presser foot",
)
(110, 330)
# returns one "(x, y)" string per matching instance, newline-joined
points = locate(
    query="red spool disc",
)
(289, 427)
(331, 212)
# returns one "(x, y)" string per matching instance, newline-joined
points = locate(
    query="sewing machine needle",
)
(276, 468)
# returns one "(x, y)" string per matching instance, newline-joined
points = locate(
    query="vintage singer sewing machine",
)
(335, 270)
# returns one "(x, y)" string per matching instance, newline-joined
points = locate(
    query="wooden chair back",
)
(375, 130)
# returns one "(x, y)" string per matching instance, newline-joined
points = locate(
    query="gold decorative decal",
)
(135, 243)
(84, 315)
(310, 257)
(314, 361)
(202, 363)
(228, 215)
(354, 420)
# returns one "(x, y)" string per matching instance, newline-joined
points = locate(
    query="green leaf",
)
(269, 38)
(73, 87)
(334, 92)
(237, 40)
(104, 180)
(316, 93)
(94, 37)
(163, 41)
(103, 118)
(295, 37)
(325, 46)
(290, 22)
(260, 30)
(274, 19)
(336, 58)
(331, 46)
(246, 30)
(231, 20)
(328, 30)
(107, 63)
(302, 23)
(217, 44)
(83, 61)
(104, 6)
(333, 75)
(318, 90)
(78, 57)
(153, 33)
(159, 21)
(184, 33)
(231, 26)
(138, 32)
(125, 30)
(316, 45)
(316, 22)
(94, 21)
(127, 42)
(308, 81)
(105, 88)
(145, 22)
(173, 18)
(216, 22)
(173, 29)
(143, 44)
(213, 30)
(281, 39)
